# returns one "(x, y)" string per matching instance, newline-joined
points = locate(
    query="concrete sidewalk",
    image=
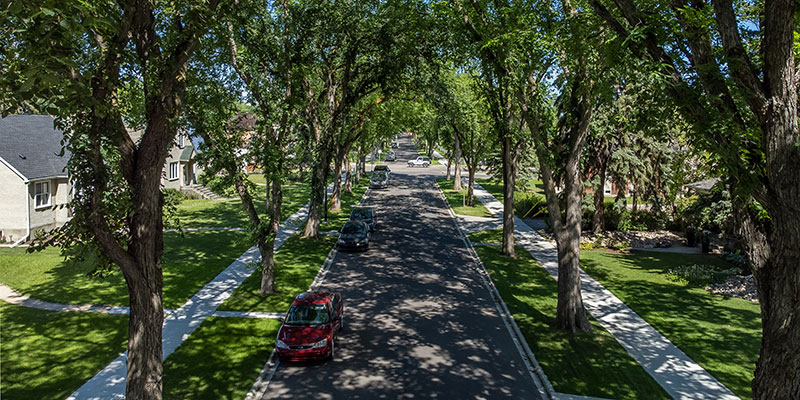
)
(678, 374)
(109, 383)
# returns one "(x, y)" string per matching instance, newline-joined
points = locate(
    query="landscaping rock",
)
(636, 239)
(743, 287)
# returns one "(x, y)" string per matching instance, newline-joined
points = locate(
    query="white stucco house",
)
(180, 169)
(34, 187)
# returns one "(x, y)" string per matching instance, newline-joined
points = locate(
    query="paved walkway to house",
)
(11, 296)
(678, 374)
(109, 383)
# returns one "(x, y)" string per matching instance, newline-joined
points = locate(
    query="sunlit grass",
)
(296, 265)
(721, 334)
(190, 261)
(456, 200)
(587, 364)
(490, 236)
(221, 359)
(48, 355)
(205, 213)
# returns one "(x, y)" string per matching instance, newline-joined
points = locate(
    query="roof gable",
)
(31, 145)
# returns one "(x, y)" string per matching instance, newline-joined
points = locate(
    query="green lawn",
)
(220, 360)
(587, 364)
(48, 355)
(456, 200)
(529, 201)
(257, 178)
(490, 236)
(296, 265)
(189, 263)
(721, 334)
(495, 187)
(204, 213)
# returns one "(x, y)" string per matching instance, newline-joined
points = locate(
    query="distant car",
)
(310, 327)
(395, 145)
(382, 168)
(365, 214)
(391, 156)
(379, 180)
(354, 236)
(420, 162)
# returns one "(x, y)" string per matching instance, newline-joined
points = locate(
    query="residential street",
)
(419, 321)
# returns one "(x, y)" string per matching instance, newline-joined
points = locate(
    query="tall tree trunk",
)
(457, 163)
(266, 245)
(144, 365)
(348, 182)
(598, 218)
(508, 197)
(336, 195)
(471, 186)
(449, 163)
(570, 314)
(319, 177)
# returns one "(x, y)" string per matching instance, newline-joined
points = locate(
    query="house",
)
(180, 168)
(34, 187)
(704, 186)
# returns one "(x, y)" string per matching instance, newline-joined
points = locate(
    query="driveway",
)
(419, 321)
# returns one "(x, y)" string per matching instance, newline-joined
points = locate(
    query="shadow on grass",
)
(48, 355)
(721, 334)
(456, 200)
(296, 265)
(190, 261)
(205, 213)
(221, 359)
(588, 364)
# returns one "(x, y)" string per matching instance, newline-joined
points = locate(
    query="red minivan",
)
(310, 327)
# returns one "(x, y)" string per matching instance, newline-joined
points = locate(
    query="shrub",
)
(699, 274)
(218, 185)
(172, 198)
(587, 245)
(529, 205)
(738, 261)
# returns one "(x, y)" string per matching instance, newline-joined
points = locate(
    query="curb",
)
(534, 369)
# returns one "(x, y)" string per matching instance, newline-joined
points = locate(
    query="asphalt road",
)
(420, 324)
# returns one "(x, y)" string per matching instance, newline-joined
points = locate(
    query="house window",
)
(173, 171)
(181, 140)
(42, 190)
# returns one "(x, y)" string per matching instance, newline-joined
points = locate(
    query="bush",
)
(738, 261)
(699, 274)
(530, 205)
(218, 185)
(172, 198)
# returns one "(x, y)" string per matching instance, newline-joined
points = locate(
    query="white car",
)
(420, 162)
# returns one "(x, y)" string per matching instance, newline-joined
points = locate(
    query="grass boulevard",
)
(48, 354)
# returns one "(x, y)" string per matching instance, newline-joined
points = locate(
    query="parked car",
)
(310, 327)
(395, 145)
(382, 168)
(379, 180)
(420, 162)
(365, 214)
(354, 236)
(391, 156)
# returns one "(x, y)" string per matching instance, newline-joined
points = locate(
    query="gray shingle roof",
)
(32, 145)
